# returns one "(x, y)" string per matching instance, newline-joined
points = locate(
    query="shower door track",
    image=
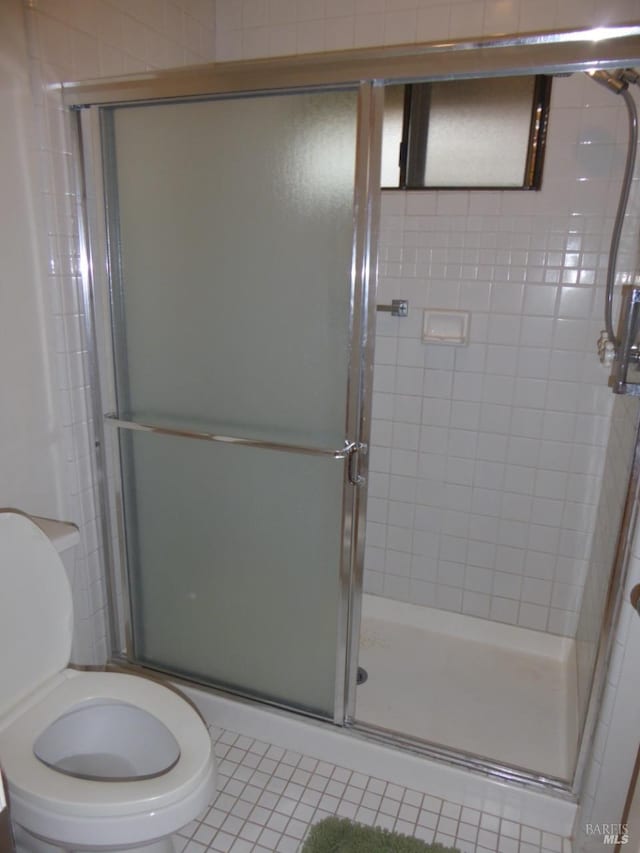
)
(556, 52)
(465, 761)
(546, 52)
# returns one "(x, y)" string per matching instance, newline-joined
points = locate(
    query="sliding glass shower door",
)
(231, 232)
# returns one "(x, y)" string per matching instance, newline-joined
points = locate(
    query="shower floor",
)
(497, 691)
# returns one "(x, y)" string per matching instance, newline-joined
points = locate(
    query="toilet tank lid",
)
(36, 610)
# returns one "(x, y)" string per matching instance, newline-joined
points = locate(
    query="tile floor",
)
(269, 797)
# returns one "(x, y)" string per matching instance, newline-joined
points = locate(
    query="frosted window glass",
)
(479, 132)
(465, 133)
(231, 313)
(392, 135)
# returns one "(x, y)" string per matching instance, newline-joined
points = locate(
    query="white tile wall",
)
(75, 40)
(486, 459)
(31, 458)
(252, 28)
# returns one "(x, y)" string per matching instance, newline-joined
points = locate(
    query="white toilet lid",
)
(36, 609)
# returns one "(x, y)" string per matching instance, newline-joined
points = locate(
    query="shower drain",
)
(362, 675)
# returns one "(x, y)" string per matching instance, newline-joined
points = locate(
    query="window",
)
(485, 133)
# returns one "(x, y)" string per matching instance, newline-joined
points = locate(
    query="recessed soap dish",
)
(446, 327)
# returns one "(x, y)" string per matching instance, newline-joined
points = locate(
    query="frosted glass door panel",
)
(236, 222)
(231, 232)
(237, 550)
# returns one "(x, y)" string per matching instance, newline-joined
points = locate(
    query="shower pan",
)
(231, 231)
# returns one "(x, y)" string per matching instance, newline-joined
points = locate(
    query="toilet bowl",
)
(93, 760)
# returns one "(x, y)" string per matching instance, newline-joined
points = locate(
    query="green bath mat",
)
(336, 835)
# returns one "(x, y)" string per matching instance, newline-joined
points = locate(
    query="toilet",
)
(93, 760)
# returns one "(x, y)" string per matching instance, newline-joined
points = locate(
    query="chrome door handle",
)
(353, 472)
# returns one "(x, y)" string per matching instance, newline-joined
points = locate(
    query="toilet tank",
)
(36, 609)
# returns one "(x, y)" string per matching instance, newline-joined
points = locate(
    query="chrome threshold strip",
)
(467, 761)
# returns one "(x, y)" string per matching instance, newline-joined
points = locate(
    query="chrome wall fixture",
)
(570, 51)
(627, 356)
(398, 308)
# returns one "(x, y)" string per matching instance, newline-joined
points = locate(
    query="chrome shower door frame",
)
(100, 261)
(561, 52)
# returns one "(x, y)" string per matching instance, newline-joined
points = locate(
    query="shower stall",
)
(499, 469)
(256, 416)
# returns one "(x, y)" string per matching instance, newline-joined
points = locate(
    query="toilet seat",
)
(43, 797)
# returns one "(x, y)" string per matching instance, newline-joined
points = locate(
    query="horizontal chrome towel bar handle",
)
(350, 447)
